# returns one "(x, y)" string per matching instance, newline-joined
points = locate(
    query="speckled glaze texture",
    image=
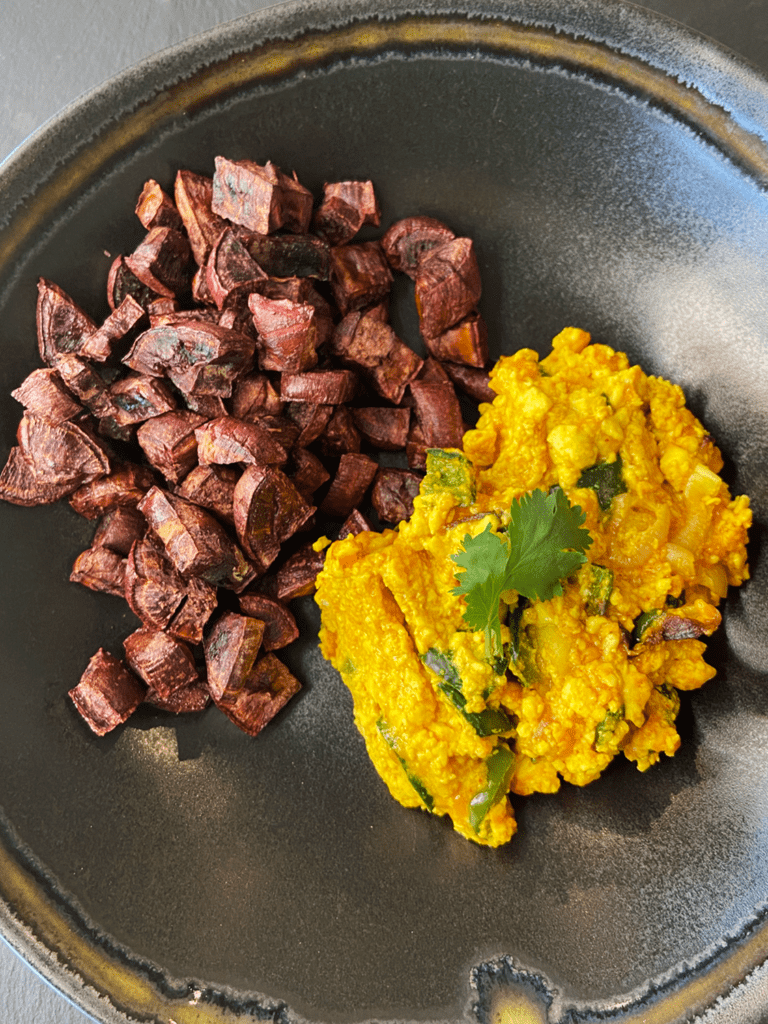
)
(613, 170)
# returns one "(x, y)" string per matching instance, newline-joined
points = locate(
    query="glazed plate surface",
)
(612, 170)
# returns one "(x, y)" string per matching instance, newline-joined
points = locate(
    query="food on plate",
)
(546, 602)
(228, 411)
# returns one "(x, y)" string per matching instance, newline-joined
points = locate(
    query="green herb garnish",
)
(543, 544)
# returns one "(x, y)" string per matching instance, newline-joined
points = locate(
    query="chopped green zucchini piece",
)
(448, 469)
(605, 478)
(488, 722)
(390, 736)
(600, 589)
(522, 656)
(646, 624)
(499, 767)
(605, 729)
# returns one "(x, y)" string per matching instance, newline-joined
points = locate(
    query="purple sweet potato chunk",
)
(267, 690)
(291, 256)
(156, 209)
(230, 652)
(360, 275)
(280, 627)
(60, 454)
(311, 418)
(287, 333)
(117, 327)
(393, 494)
(228, 440)
(439, 413)
(44, 393)
(163, 662)
(62, 326)
(268, 510)
(161, 261)
(371, 346)
(169, 442)
(195, 541)
(253, 396)
(122, 282)
(297, 576)
(161, 598)
(308, 473)
(212, 487)
(124, 486)
(472, 381)
(137, 398)
(86, 383)
(466, 342)
(20, 486)
(447, 286)
(108, 693)
(186, 700)
(341, 435)
(230, 271)
(344, 208)
(407, 240)
(193, 194)
(319, 387)
(259, 197)
(384, 427)
(100, 569)
(355, 523)
(353, 477)
(118, 529)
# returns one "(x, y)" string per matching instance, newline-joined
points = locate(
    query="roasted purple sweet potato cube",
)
(163, 662)
(344, 208)
(200, 358)
(108, 693)
(187, 700)
(355, 523)
(434, 371)
(100, 569)
(297, 203)
(86, 383)
(230, 652)
(161, 598)
(267, 690)
(312, 419)
(125, 485)
(208, 406)
(52, 460)
(341, 435)
(287, 333)
(297, 576)
(161, 261)
(353, 477)
(137, 398)
(407, 240)
(360, 275)
(385, 427)
(212, 487)
(393, 493)
(169, 442)
(268, 510)
(319, 387)
(280, 627)
(118, 529)
(122, 282)
(44, 393)
(253, 396)
(438, 412)
(370, 345)
(62, 326)
(156, 209)
(195, 541)
(227, 440)
(308, 473)
(472, 381)
(193, 194)
(282, 429)
(117, 329)
(466, 342)
(416, 448)
(248, 193)
(230, 270)
(291, 256)
(447, 286)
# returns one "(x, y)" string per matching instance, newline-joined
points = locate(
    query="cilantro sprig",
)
(543, 544)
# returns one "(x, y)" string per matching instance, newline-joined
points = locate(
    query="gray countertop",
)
(53, 51)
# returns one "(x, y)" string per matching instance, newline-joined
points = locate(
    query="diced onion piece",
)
(702, 484)
(638, 528)
(681, 559)
(716, 578)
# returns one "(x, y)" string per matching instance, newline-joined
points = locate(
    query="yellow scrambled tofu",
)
(586, 675)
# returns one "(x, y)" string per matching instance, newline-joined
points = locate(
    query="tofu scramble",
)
(586, 675)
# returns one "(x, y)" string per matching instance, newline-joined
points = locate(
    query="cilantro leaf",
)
(544, 544)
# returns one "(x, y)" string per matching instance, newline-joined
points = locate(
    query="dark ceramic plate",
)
(612, 169)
